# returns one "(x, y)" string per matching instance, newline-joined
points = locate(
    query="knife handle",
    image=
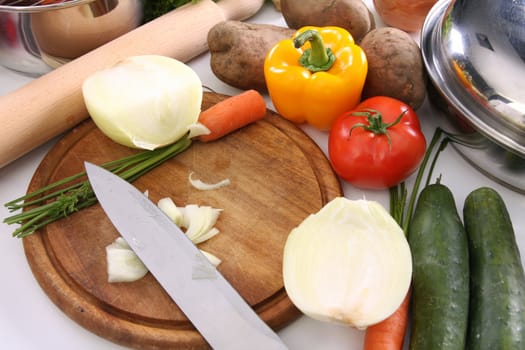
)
(53, 103)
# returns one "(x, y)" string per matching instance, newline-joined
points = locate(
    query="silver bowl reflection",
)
(35, 39)
(474, 53)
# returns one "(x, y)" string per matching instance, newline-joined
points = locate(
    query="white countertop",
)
(28, 318)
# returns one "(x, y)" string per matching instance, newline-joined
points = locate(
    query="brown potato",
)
(352, 15)
(395, 66)
(238, 50)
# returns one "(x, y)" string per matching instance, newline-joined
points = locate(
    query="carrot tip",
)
(232, 114)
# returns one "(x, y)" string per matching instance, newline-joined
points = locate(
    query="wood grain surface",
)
(278, 177)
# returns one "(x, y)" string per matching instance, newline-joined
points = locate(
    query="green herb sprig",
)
(156, 8)
(66, 196)
(402, 211)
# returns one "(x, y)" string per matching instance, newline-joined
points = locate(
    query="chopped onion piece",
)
(199, 220)
(123, 265)
(212, 258)
(200, 185)
(198, 129)
(171, 210)
(349, 263)
(206, 235)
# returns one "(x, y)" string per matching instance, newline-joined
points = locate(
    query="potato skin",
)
(238, 50)
(395, 66)
(352, 15)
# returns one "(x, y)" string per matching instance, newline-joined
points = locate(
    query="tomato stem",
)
(375, 122)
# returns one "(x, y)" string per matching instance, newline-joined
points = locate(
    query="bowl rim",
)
(450, 87)
(39, 8)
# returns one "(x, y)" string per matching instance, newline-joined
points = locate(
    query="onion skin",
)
(407, 15)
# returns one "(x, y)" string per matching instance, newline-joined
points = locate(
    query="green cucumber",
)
(497, 281)
(440, 282)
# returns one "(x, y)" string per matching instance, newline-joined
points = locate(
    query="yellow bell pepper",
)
(316, 75)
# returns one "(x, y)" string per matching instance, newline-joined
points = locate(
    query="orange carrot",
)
(232, 113)
(390, 333)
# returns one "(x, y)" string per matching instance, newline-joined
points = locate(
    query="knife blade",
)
(207, 299)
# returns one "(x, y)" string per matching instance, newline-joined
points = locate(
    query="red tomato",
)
(368, 149)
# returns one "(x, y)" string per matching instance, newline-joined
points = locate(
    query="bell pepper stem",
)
(317, 58)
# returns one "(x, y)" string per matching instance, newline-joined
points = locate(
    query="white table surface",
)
(28, 318)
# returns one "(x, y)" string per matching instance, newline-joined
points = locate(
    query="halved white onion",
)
(144, 101)
(349, 263)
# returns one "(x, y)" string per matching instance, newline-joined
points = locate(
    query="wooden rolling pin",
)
(53, 103)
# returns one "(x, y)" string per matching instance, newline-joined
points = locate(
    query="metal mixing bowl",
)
(474, 52)
(36, 38)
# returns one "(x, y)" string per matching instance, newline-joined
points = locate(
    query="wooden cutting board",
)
(278, 177)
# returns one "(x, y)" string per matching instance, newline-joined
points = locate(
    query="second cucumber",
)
(497, 301)
(440, 283)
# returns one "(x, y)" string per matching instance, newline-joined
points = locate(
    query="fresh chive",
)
(402, 211)
(54, 201)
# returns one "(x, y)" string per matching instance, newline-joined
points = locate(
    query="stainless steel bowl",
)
(474, 52)
(36, 38)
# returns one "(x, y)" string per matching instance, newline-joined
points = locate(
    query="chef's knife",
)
(213, 306)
